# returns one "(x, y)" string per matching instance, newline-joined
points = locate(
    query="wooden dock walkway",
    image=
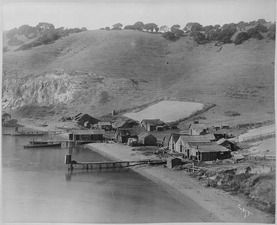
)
(72, 164)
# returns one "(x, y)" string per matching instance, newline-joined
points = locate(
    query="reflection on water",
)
(37, 187)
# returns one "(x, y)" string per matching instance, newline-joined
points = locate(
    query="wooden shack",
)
(87, 135)
(172, 162)
(147, 139)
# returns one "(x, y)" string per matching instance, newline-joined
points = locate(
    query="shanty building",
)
(147, 139)
(197, 129)
(104, 125)
(172, 162)
(183, 140)
(87, 135)
(228, 144)
(6, 117)
(86, 120)
(120, 123)
(209, 152)
(172, 141)
(152, 124)
(122, 135)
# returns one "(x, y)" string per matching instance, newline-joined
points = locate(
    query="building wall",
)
(172, 145)
(149, 140)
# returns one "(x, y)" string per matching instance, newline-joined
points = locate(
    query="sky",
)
(94, 14)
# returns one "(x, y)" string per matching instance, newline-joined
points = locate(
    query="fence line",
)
(259, 136)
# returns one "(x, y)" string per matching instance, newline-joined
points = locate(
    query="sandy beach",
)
(214, 205)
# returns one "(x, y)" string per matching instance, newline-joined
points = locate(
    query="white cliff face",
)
(42, 90)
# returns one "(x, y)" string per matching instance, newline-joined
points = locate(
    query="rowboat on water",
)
(42, 144)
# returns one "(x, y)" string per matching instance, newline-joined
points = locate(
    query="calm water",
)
(36, 187)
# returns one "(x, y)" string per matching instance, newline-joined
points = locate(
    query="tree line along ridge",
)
(237, 33)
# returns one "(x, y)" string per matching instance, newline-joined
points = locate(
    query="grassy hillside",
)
(124, 69)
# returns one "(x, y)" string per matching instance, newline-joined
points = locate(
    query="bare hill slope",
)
(98, 71)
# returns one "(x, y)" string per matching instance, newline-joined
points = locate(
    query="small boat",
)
(42, 144)
(27, 134)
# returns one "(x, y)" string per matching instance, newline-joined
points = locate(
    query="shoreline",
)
(213, 205)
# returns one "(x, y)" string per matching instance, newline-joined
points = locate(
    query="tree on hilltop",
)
(44, 26)
(175, 28)
(254, 33)
(129, 27)
(139, 26)
(193, 27)
(272, 31)
(150, 27)
(261, 21)
(261, 28)
(164, 28)
(117, 26)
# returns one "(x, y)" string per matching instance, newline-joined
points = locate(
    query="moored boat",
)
(42, 144)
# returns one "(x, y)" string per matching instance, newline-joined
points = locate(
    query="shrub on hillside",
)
(226, 33)
(272, 30)
(241, 37)
(261, 28)
(170, 36)
(231, 113)
(199, 37)
(13, 41)
(254, 33)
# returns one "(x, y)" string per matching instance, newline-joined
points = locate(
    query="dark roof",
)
(85, 132)
(84, 118)
(175, 137)
(211, 148)
(222, 140)
(6, 114)
(127, 132)
(144, 135)
(155, 122)
(200, 143)
(120, 122)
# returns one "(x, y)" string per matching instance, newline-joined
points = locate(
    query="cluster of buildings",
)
(196, 143)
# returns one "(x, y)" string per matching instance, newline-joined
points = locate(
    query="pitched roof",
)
(212, 148)
(88, 132)
(89, 118)
(194, 138)
(222, 140)
(120, 122)
(198, 126)
(155, 122)
(144, 135)
(104, 123)
(6, 114)
(126, 132)
(175, 137)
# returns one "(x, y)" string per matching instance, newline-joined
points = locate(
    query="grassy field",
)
(167, 111)
(126, 69)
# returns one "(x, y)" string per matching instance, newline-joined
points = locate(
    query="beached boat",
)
(28, 133)
(42, 144)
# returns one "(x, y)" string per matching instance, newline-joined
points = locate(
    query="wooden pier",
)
(72, 164)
